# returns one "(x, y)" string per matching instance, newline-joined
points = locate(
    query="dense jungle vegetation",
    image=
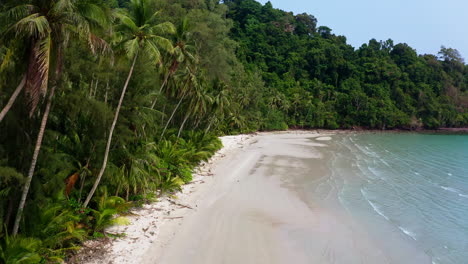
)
(107, 103)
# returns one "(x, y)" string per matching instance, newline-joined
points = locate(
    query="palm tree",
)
(182, 88)
(138, 33)
(197, 104)
(183, 53)
(218, 106)
(46, 26)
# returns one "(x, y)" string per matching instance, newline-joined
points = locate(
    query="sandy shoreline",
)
(148, 222)
(246, 206)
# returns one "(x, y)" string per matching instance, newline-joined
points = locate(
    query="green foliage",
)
(20, 250)
(104, 215)
(204, 68)
(320, 81)
(275, 121)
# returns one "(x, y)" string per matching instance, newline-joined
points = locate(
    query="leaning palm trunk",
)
(209, 125)
(172, 69)
(13, 98)
(109, 139)
(183, 123)
(162, 116)
(160, 89)
(170, 118)
(37, 149)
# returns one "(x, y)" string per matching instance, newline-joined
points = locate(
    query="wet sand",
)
(255, 210)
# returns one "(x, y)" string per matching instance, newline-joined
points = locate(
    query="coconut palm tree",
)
(181, 89)
(198, 103)
(218, 106)
(46, 26)
(184, 50)
(138, 34)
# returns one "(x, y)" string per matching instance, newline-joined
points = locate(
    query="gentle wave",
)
(450, 189)
(456, 191)
(417, 183)
(374, 206)
(408, 233)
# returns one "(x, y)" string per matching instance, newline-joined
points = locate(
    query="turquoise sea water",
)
(412, 184)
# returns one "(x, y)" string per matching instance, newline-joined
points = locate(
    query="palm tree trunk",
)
(170, 118)
(83, 179)
(95, 88)
(37, 149)
(107, 90)
(183, 123)
(13, 98)
(162, 116)
(197, 123)
(91, 87)
(209, 125)
(160, 89)
(109, 139)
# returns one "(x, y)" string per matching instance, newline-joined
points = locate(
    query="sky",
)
(425, 25)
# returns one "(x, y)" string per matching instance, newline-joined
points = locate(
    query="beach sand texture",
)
(253, 212)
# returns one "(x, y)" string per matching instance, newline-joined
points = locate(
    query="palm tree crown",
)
(47, 26)
(138, 30)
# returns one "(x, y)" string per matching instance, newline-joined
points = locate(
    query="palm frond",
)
(164, 28)
(38, 71)
(154, 17)
(21, 250)
(127, 22)
(152, 52)
(163, 43)
(131, 47)
(20, 11)
(93, 13)
(33, 25)
(62, 6)
(82, 27)
(98, 44)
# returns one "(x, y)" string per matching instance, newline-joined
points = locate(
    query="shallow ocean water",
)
(412, 184)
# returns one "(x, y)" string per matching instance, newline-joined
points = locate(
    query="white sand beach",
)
(147, 222)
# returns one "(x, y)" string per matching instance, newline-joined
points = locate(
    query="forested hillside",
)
(315, 79)
(105, 102)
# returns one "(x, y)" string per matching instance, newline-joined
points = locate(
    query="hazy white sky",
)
(424, 24)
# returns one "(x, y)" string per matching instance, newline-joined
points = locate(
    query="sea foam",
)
(374, 206)
(408, 233)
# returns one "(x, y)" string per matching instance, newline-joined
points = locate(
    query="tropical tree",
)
(182, 87)
(184, 53)
(47, 26)
(137, 34)
(198, 103)
(219, 104)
